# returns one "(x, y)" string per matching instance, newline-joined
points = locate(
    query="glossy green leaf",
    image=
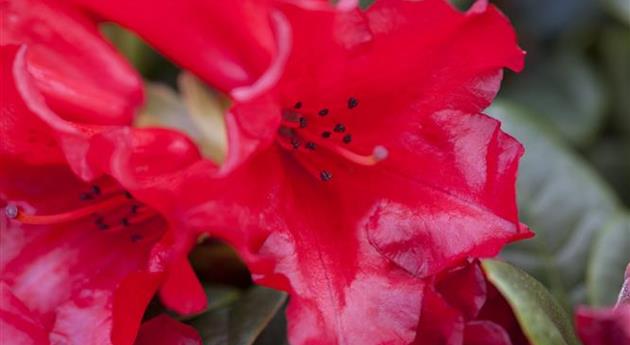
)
(565, 91)
(608, 260)
(241, 322)
(562, 199)
(542, 319)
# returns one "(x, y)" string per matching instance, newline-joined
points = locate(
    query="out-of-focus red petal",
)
(228, 44)
(81, 75)
(485, 333)
(604, 326)
(163, 330)
(26, 138)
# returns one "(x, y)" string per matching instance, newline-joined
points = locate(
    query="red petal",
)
(485, 333)
(465, 289)
(30, 139)
(440, 324)
(162, 330)
(81, 76)
(182, 291)
(229, 44)
(604, 326)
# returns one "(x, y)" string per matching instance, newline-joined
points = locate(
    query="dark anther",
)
(102, 226)
(124, 222)
(128, 195)
(311, 145)
(339, 128)
(136, 237)
(11, 211)
(85, 196)
(298, 105)
(352, 102)
(326, 134)
(325, 175)
(96, 190)
(303, 122)
(134, 208)
(347, 138)
(295, 143)
(323, 112)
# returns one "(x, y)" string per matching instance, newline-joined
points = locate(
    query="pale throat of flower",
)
(304, 133)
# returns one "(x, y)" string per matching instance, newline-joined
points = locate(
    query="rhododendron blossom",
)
(80, 261)
(362, 176)
(367, 167)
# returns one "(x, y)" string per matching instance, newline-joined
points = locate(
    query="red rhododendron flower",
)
(368, 167)
(462, 307)
(81, 76)
(80, 261)
(607, 326)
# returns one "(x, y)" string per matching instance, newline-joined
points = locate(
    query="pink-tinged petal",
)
(604, 326)
(18, 324)
(163, 330)
(80, 74)
(88, 278)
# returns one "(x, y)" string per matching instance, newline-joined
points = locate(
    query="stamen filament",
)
(379, 153)
(65, 217)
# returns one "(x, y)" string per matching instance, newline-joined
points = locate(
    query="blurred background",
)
(570, 107)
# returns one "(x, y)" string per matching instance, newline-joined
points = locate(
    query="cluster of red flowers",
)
(361, 176)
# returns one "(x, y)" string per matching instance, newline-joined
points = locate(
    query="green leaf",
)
(221, 296)
(565, 91)
(542, 319)
(562, 199)
(241, 322)
(615, 52)
(608, 260)
(130, 45)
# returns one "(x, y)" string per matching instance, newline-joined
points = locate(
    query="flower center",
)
(309, 135)
(107, 208)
